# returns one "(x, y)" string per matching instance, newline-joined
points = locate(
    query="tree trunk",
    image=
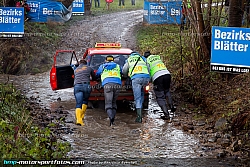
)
(201, 31)
(9, 3)
(87, 7)
(235, 13)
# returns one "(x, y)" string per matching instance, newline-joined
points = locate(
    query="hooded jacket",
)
(109, 66)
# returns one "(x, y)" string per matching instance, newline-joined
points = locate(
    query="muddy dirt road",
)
(152, 143)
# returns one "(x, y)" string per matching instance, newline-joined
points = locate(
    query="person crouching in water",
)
(110, 73)
(82, 89)
(161, 79)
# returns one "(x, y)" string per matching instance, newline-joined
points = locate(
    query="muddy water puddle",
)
(152, 143)
(153, 138)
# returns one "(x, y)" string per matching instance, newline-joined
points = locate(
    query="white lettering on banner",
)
(10, 12)
(47, 12)
(32, 10)
(7, 19)
(231, 35)
(157, 12)
(78, 5)
(175, 12)
(11, 35)
(230, 46)
(33, 5)
(224, 41)
(236, 69)
(78, 1)
(157, 7)
(230, 69)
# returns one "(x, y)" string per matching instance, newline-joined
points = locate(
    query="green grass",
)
(114, 7)
(19, 137)
(163, 40)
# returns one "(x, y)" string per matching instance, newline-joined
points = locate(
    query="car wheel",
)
(145, 103)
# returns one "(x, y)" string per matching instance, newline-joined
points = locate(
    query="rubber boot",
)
(78, 116)
(165, 111)
(111, 116)
(173, 109)
(170, 102)
(84, 108)
(111, 121)
(139, 115)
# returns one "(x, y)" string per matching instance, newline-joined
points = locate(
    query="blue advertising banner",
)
(11, 22)
(78, 7)
(48, 10)
(163, 12)
(230, 50)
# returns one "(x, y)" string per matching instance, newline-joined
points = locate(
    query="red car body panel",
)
(97, 94)
(62, 75)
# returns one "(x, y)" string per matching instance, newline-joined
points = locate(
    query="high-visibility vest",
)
(155, 64)
(140, 68)
(188, 4)
(114, 73)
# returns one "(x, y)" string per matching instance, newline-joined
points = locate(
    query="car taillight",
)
(53, 80)
(147, 88)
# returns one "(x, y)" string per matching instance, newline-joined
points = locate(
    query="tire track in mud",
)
(116, 27)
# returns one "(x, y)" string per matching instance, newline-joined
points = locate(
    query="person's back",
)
(161, 79)
(157, 67)
(82, 73)
(82, 89)
(110, 73)
(136, 68)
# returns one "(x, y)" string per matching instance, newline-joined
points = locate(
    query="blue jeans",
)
(82, 93)
(138, 85)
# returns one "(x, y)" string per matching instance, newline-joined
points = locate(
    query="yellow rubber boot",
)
(84, 108)
(79, 117)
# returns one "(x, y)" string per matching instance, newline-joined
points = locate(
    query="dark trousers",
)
(111, 92)
(121, 2)
(161, 89)
(97, 3)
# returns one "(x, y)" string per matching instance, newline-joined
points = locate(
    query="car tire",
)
(145, 103)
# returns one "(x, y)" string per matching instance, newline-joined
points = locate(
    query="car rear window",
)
(98, 59)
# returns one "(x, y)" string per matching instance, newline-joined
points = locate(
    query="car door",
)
(62, 73)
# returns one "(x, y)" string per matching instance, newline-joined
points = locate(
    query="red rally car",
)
(62, 73)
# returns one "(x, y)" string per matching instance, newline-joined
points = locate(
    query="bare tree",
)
(203, 40)
(87, 7)
(236, 11)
